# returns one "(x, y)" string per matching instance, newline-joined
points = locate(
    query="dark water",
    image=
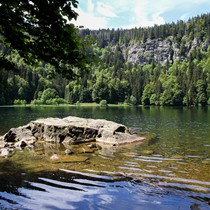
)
(170, 172)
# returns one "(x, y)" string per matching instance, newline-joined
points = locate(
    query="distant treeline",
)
(181, 82)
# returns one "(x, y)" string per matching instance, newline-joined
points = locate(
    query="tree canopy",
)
(42, 31)
(181, 78)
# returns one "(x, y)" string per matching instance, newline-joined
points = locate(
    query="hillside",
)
(160, 65)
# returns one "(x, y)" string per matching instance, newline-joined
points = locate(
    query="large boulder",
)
(69, 130)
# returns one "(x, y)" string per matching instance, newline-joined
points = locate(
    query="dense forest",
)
(161, 65)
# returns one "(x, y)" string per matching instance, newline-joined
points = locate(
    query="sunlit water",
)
(171, 171)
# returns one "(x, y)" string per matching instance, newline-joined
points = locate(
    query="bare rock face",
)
(69, 130)
(160, 50)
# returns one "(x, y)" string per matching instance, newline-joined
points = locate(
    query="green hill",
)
(160, 65)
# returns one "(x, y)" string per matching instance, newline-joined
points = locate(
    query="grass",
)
(69, 105)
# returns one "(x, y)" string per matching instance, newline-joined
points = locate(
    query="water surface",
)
(171, 171)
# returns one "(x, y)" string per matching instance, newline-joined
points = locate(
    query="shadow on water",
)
(21, 188)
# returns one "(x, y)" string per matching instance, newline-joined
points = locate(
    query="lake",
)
(171, 171)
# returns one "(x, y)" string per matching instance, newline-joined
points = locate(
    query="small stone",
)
(54, 157)
(68, 152)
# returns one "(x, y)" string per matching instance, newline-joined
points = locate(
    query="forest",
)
(172, 70)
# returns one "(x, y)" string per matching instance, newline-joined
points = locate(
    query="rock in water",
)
(70, 130)
(54, 157)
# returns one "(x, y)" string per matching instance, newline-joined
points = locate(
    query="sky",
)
(126, 14)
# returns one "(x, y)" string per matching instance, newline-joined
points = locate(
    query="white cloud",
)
(90, 6)
(147, 13)
(89, 20)
(88, 17)
(135, 13)
(105, 10)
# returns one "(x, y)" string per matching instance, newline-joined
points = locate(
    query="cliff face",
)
(160, 50)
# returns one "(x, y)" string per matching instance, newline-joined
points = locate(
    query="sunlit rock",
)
(70, 130)
(5, 152)
(20, 144)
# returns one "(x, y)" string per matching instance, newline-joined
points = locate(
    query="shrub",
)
(55, 101)
(37, 102)
(133, 100)
(103, 103)
(19, 102)
(78, 103)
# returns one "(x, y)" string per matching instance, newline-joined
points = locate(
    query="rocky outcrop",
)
(160, 50)
(70, 130)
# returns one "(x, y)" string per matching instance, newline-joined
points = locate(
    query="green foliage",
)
(172, 94)
(184, 81)
(103, 103)
(48, 94)
(201, 92)
(36, 102)
(19, 102)
(149, 90)
(56, 101)
(133, 100)
(42, 30)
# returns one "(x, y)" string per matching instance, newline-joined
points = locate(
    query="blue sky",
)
(95, 14)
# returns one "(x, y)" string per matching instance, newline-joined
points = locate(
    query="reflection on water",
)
(168, 172)
(67, 189)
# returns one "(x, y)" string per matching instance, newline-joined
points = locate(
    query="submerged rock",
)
(147, 152)
(69, 130)
(68, 152)
(68, 159)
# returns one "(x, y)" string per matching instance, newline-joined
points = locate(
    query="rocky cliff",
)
(161, 50)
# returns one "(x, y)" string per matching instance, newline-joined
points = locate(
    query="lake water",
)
(171, 171)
